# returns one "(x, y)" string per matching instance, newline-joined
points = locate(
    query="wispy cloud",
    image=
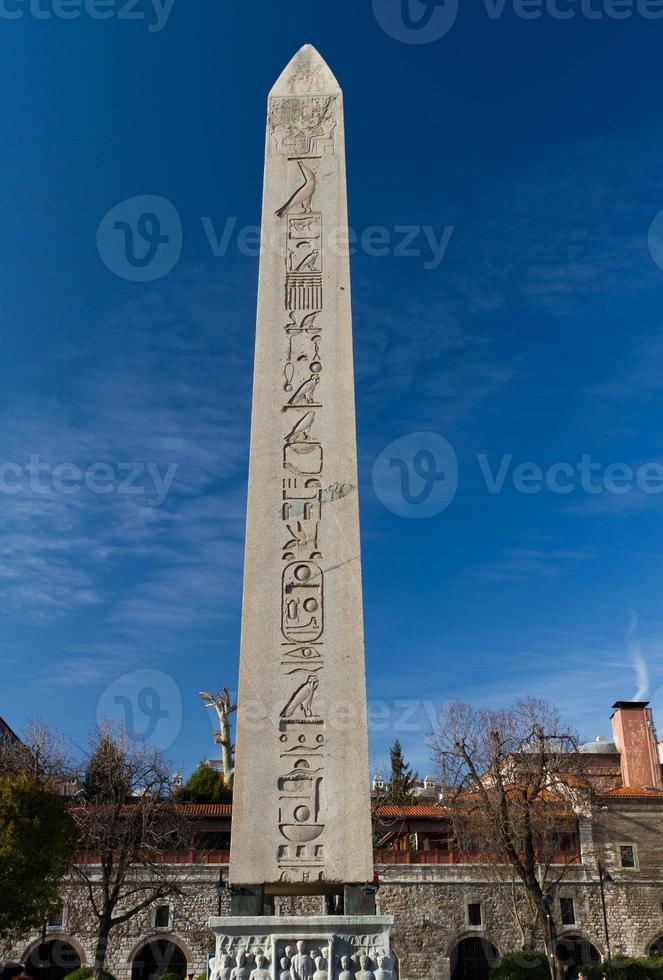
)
(516, 565)
(639, 663)
(153, 384)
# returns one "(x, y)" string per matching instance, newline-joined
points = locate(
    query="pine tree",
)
(205, 785)
(403, 780)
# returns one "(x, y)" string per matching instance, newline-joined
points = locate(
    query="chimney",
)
(635, 736)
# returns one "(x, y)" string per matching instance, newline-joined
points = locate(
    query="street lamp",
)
(605, 878)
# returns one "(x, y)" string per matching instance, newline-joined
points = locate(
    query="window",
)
(474, 914)
(567, 911)
(162, 917)
(628, 856)
(56, 921)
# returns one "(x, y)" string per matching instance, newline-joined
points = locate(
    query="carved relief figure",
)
(303, 195)
(285, 973)
(224, 969)
(305, 79)
(240, 971)
(321, 969)
(303, 127)
(302, 966)
(261, 971)
(365, 972)
(384, 971)
(346, 969)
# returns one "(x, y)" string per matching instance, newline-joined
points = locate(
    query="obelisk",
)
(301, 805)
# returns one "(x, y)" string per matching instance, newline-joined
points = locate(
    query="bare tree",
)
(515, 784)
(222, 704)
(127, 824)
(39, 753)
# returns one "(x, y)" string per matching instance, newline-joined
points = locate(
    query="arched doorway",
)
(52, 960)
(574, 952)
(472, 959)
(656, 948)
(157, 957)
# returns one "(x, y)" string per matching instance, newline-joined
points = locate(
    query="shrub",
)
(527, 964)
(170, 976)
(86, 973)
(628, 968)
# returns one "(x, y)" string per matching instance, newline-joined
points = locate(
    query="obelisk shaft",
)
(301, 807)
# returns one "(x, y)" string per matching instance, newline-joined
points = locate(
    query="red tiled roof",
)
(635, 792)
(409, 810)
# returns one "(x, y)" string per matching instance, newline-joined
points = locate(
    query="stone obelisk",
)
(301, 807)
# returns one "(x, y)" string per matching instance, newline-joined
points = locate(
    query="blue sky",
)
(537, 144)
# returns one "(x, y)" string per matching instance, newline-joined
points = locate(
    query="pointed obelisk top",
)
(307, 74)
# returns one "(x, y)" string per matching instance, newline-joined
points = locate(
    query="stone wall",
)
(429, 904)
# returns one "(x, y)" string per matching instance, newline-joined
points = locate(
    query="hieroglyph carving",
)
(304, 129)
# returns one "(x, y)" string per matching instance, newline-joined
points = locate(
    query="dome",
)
(602, 746)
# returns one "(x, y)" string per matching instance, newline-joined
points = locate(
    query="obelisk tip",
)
(306, 74)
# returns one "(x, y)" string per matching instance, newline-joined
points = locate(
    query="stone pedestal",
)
(335, 947)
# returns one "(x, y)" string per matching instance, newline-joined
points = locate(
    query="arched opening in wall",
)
(52, 960)
(156, 958)
(656, 949)
(574, 952)
(472, 959)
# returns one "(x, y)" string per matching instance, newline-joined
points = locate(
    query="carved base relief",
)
(305, 949)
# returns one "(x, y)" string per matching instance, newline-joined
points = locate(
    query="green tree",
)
(205, 785)
(402, 781)
(36, 842)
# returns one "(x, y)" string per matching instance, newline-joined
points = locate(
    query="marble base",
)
(333, 947)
